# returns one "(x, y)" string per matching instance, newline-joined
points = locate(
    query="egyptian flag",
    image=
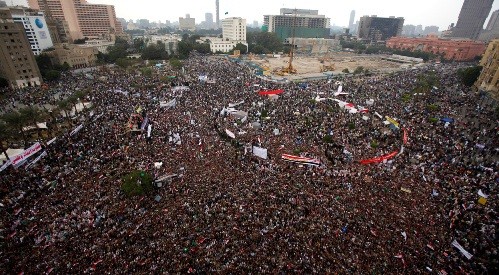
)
(301, 160)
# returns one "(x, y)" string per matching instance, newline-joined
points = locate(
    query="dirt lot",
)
(340, 61)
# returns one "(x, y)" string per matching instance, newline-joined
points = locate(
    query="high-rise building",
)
(408, 30)
(187, 23)
(430, 30)
(3, 4)
(419, 30)
(234, 29)
(82, 18)
(489, 77)
(17, 62)
(217, 3)
(375, 28)
(493, 21)
(297, 22)
(352, 18)
(35, 27)
(471, 18)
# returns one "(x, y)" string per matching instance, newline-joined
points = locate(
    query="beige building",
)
(187, 23)
(234, 29)
(489, 78)
(17, 61)
(83, 19)
(74, 55)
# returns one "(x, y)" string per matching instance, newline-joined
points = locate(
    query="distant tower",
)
(218, 14)
(352, 18)
(471, 18)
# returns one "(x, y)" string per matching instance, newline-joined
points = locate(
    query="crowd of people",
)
(229, 210)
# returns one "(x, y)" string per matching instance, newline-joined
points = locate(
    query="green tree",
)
(15, 122)
(175, 63)
(241, 47)
(469, 76)
(52, 75)
(4, 135)
(4, 83)
(65, 106)
(137, 183)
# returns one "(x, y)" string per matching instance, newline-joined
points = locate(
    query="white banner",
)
(260, 152)
(76, 130)
(27, 153)
(230, 134)
(463, 251)
(149, 129)
(37, 159)
(51, 141)
(169, 104)
(235, 104)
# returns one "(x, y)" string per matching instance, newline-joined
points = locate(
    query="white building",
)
(170, 41)
(35, 27)
(233, 33)
(234, 29)
(100, 45)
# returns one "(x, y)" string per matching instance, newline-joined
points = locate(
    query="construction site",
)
(333, 63)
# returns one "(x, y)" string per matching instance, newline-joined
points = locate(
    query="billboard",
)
(41, 32)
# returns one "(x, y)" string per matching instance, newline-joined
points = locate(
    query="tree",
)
(52, 75)
(4, 135)
(15, 122)
(65, 106)
(241, 47)
(137, 183)
(175, 63)
(4, 83)
(469, 76)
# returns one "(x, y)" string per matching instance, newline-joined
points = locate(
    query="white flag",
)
(230, 134)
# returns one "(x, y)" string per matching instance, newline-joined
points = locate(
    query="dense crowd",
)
(233, 212)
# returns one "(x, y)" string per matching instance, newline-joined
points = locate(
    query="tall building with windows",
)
(83, 19)
(471, 18)
(298, 22)
(375, 28)
(234, 29)
(350, 23)
(35, 26)
(489, 77)
(17, 62)
(187, 23)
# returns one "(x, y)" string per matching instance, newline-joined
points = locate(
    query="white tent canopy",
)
(11, 152)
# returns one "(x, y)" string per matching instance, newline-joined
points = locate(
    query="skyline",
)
(339, 12)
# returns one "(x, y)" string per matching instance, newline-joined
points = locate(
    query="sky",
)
(439, 13)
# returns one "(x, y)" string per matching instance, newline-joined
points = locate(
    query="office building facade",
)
(489, 77)
(297, 23)
(234, 28)
(17, 61)
(450, 49)
(82, 18)
(471, 18)
(187, 23)
(375, 28)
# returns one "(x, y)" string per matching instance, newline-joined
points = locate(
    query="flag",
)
(226, 12)
(270, 92)
(230, 134)
(379, 159)
(301, 160)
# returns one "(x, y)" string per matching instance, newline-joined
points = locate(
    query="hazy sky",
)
(425, 12)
